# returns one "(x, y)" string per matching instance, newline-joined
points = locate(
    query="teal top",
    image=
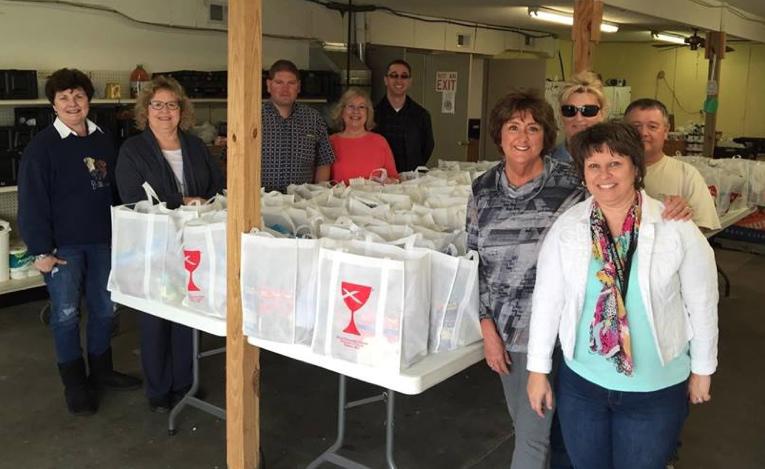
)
(648, 374)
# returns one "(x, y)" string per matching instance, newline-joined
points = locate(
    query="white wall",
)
(47, 37)
(390, 30)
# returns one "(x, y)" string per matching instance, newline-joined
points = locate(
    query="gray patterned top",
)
(506, 225)
(293, 147)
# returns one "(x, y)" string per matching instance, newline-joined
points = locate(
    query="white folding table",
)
(728, 219)
(197, 322)
(424, 374)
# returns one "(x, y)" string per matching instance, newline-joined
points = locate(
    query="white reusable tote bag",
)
(373, 304)
(147, 261)
(454, 301)
(279, 287)
(204, 259)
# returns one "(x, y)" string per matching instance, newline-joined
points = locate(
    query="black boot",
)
(102, 373)
(80, 398)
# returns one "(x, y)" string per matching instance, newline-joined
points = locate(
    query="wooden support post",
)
(585, 33)
(714, 51)
(243, 174)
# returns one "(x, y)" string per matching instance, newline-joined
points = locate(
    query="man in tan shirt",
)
(667, 176)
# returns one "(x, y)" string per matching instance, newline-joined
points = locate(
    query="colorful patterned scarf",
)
(609, 331)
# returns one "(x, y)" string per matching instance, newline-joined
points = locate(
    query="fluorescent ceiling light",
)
(563, 18)
(668, 38)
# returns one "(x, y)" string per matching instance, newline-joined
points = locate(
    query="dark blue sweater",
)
(66, 189)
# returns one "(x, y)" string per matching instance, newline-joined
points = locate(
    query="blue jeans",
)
(86, 269)
(606, 429)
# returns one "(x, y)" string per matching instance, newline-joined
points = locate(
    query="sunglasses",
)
(588, 110)
(396, 76)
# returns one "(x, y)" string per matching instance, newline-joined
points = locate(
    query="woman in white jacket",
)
(633, 299)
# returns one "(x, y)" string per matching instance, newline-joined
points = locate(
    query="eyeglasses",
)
(170, 105)
(587, 110)
(396, 76)
(353, 107)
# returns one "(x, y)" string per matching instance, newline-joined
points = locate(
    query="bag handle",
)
(383, 175)
(420, 169)
(151, 194)
(407, 242)
(308, 231)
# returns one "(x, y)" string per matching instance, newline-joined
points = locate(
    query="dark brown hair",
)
(67, 79)
(616, 136)
(399, 62)
(524, 101)
(648, 103)
(283, 65)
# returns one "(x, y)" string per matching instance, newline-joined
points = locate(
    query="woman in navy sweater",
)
(66, 189)
(179, 168)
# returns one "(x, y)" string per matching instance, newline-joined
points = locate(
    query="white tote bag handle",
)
(379, 175)
(151, 194)
(407, 242)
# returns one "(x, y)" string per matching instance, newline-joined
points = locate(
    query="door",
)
(448, 108)
(501, 77)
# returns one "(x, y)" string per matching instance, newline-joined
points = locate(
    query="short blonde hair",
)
(585, 82)
(350, 94)
(162, 82)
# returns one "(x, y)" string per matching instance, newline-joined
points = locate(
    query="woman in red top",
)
(358, 152)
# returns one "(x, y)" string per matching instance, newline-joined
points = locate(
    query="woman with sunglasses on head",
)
(180, 169)
(582, 105)
(358, 152)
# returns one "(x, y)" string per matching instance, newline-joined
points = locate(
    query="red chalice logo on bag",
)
(354, 296)
(191, 262)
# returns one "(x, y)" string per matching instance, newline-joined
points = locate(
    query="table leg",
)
(389, 427)
(190, 398)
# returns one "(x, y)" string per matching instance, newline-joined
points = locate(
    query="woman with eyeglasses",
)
(359, 152)
(582, 105)
(180, 169)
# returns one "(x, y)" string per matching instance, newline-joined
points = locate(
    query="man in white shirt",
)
(667, 176)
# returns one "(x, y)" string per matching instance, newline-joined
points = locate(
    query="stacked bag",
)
(734, 183)
(175, 257)
(368, 273)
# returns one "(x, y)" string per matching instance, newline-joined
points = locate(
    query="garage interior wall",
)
(48, 36)
(44, 36)
(742, 96)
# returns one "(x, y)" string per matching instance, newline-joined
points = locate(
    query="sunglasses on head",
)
(588, 110)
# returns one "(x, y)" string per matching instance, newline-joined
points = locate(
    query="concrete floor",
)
(461, 423)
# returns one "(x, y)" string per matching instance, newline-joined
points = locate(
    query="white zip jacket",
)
(678, 286)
